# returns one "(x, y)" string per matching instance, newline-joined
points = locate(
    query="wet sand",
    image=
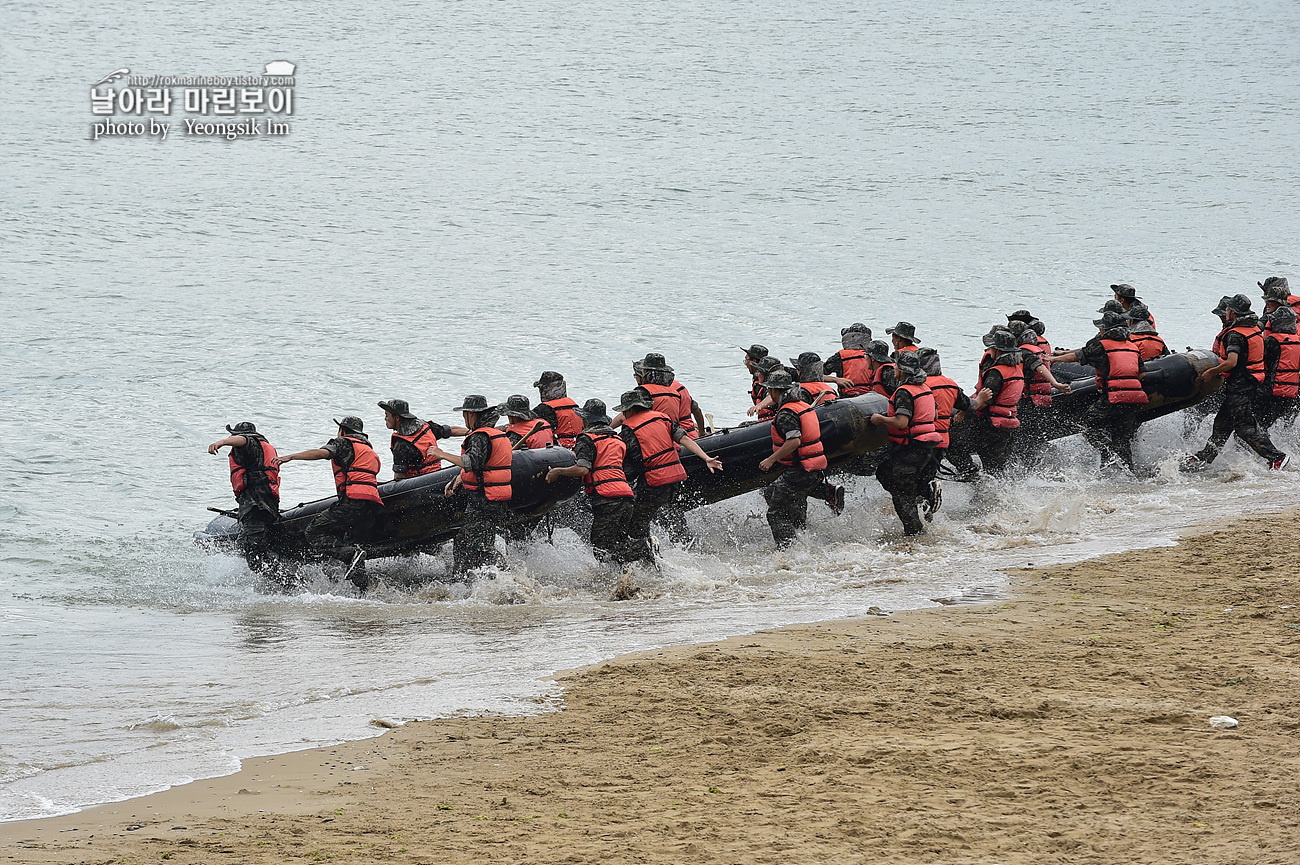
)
(1067, 724)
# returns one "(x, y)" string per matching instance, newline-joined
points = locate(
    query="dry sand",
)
(1069, 724)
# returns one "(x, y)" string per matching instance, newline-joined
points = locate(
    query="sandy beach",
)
(1068, 723)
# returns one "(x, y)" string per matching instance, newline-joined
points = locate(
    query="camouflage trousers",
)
(906, 474)
(787, 501)
(1237, 417)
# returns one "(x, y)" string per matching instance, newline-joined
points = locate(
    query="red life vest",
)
(685, 420)
(569, 424)
(1293, 302)
(810, 455)
(1040, 389)
(1254, 349)
(815, 389)
(606, 477)
(1121, 384)
(945, 392)
(1218, 344)
(1149, 345)
(360, 481)
(422, 439)
(757, 392)
(921, 428)
(853, 361)
(660, 460)
(536, 433)
(1286, 378)
(877, 384)
(1002, 411)
(496, 474)
(241, 475)
(666, 400)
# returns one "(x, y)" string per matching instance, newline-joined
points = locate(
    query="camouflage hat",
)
(1138, 312)
(1240, 304)
(766, 365)
(856, 327)
(517, 406)
(1282, 320)
(474, 402)
(904, 330)
(1027, 336)
(909, 367)
(878, 350)
(1004, 340)
(1110, 320)
(635, 398)
(929, 358)
(242, 427)
(351, 422)
(1111, 306)
(593, 411)
(1021, 315)
(987, 338)
(805, 360)
(548, 377)
(779, 380)
(756, 352)
(653, 361)
(1124, 290)
(398, 407)
(1276, 288)
(1222, 307)
(1038, 327)
(1017, 327)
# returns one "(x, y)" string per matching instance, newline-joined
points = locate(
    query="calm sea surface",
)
(472, 193)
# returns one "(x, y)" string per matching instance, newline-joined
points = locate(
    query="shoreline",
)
(1087, 691)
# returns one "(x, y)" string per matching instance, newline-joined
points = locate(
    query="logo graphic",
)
(113, 76)
(279, 67)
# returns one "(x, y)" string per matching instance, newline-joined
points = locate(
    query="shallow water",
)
(471, 195)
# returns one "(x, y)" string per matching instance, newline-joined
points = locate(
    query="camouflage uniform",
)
(344, 525)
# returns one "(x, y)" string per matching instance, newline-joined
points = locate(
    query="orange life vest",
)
(877, 384)
(1149, 345)
(921, 428)
(569, 424)
(810, 455)
(360, 481)
(945, 392)
(422, 439)
(666, 400)
(1039, 391)
(496, 474)
(1254, 349)
(816, 388)
(853, 361)
(1002, 411)
(757, 392)
(685, 420)
(659, 457)
(536, 433)
(1293, 302)
(606, 477)
(240, 476)
(1121, 384)
(1286, 377)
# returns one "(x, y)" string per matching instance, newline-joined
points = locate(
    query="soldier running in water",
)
(909, 469)
(255, 477)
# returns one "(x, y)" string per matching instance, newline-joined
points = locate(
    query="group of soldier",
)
(630, 464)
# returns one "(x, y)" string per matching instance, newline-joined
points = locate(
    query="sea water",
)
(468, 194)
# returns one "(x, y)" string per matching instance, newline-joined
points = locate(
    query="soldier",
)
(412, 439)
(656, 377)
(1112, 421)
(1277, 290)
(909, 469)
(1126, 296)
(557, 409)
(255, 477)
(598, 459)
(848, 368)
(903, 336)
(1241, 348)
(762, 406)
(950, 401)
(880, 364)
(485, 458)
(1144, 336)
(989, 432)
(341, 530)
(796, 444)
(652, 462)
(526, 427)
(811, 378)
(1277, 396)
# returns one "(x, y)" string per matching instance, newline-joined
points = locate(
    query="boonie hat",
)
(654, 361)
(909, 366)
(929, 359)
(1239, 304)
(1222, 307)
(351, 422)
(398, 407)
(1276, 288)
(878, 350)
(806, 359)
(1109, 320)
(1282, 320)
(756, 352)
(765, 365)
(474, 402)
(903, 330)
(593, 411)
(243, 426)
(779, 380)
(1111, 306)
(1004, 340)
(517, 406)
(548, 377)
(635, 398)
(856, 327)
(1124, 290)
(1021, 315)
